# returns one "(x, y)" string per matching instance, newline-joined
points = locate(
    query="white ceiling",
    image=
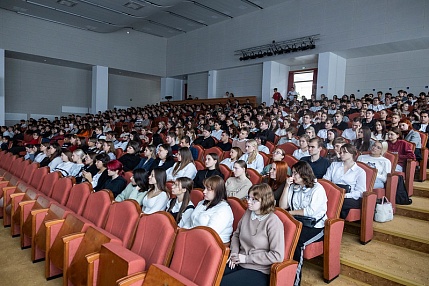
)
(163, 18)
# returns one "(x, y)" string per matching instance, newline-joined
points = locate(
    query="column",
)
(274, 75)
(100, 89)
(331, 75)
(2, 89)
(212, 84)
(171, 87)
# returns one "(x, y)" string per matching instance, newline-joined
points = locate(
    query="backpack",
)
(401, 193)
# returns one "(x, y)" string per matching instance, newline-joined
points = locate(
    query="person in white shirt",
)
(234, 155)
(376, 106)
(214, 211)
(323, 133)
(181, 207)
(262, 140)
(303, 147)
(156, 197)
(304, 196)
(350, 133)
(184, 167)
(252, 157)
(349, 173)
(217, 132)
(376, 160)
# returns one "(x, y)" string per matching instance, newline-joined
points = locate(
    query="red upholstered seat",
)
(199, 165)
(199, 259)
(238, 208)
(333, 233)
(197, 196)
(153, 244)
(226, 172)
(290, 160)
(216, 150)
(60, 194)
(18, 192)
(288, 147)
(120, 227)
(266, 157)
(45, 190)
(75, 204)
(283, 273)
(366, 213)
(95, 213)
(254, 176)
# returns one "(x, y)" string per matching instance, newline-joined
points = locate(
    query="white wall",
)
(138, 52)
(342, 25)
(391, 71)
(198, 85)
(242, 81)
(131, 91)
(44, 89)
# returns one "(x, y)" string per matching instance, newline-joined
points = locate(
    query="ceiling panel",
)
(164, 18)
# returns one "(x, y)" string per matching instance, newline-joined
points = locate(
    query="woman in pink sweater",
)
(257, 243)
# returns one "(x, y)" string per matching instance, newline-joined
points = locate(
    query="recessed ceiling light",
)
(68, 3)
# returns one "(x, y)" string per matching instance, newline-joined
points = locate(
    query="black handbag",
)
(348, 188)
(307, 220)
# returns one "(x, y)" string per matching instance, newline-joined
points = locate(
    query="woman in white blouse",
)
(348, 173)
(234, 155)
(156, 197)
(214, 211)
(303, 196)
(303, 147)
(181, 207)
(252, 157)
(184, 167)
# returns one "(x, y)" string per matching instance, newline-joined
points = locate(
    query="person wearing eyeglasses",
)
(257, 242)
(304, 196)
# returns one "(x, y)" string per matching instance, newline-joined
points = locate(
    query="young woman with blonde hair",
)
(252, 157)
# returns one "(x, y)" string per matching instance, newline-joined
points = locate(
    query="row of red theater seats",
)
(79, 222)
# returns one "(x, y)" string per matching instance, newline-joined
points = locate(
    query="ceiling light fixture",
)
(278, 48)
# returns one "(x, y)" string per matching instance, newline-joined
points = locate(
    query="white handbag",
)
(383, 211)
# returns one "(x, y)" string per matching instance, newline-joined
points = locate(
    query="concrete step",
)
(402, 231)
(312, 276)
(379, 263)
(419, 209)
(421, 189)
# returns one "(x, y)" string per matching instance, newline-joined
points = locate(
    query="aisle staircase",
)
(398, 254)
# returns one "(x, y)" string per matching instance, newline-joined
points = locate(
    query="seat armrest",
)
(369, 200)
(71, 245)
(93, 261)
(391, 188)
(283, 273)
(131, 279)
(331, 248)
